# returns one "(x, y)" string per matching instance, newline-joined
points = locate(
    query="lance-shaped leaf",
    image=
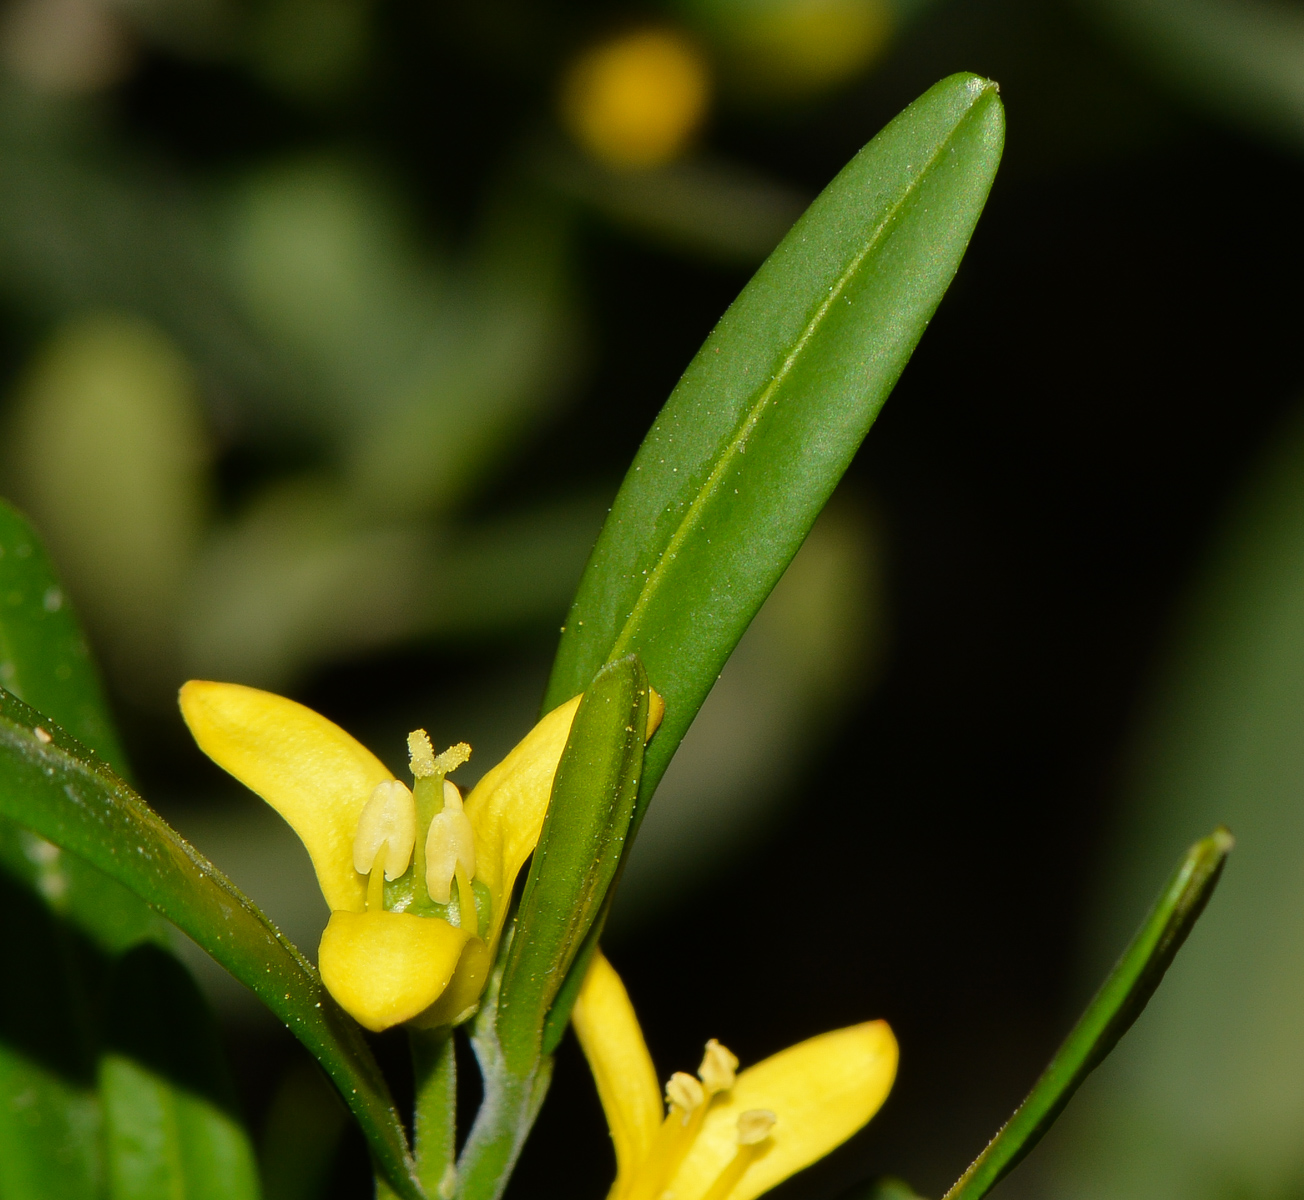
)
(60, 790)
(1108, 1017)
(771, 410)
(578, 854)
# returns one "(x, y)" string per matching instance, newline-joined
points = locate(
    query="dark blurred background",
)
(329, 326)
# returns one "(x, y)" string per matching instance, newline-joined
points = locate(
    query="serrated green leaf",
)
(771, 411)
(57, 788)
(171, 1125)
(1110, 1014)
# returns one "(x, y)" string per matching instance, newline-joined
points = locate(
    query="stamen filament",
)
(376, 880)
(466, 901)
(673, 1141)
(753, 1133)
(728, 1179)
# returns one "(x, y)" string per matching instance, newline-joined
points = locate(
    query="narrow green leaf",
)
(171, 1126)
(60, 790)
(1108, 1017)
(771, 411)
(578, 854)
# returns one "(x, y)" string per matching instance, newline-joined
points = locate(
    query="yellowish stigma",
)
(421, 754)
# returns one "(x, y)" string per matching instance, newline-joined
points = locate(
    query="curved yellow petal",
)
(822, 1091)
(609, 1033)
(463, 991)
(508, 805)
(384, 968)
(306, 767)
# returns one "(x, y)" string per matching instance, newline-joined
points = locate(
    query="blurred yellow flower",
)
(790, 49)
(636, 101)
(725, 1135)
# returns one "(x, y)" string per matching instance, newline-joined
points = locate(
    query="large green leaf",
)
(770, 412)
(57, 788)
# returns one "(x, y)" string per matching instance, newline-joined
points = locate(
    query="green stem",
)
(511, 1103)
(434, 1071)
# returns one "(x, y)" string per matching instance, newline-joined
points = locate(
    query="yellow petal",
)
(822, 1091)
(463, 991)
(609, 1033)
(508, 805)
(307, 768)
(384, 968)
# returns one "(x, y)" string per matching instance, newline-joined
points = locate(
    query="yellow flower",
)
(418, 883)
(727, 1135)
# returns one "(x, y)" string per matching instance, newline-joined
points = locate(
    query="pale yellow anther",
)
(683, 1091)
(450, 844)
(421, 754)
(719, 1068)
(754, 1126)
(389, 818)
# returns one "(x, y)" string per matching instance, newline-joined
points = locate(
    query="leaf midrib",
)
(731, 451)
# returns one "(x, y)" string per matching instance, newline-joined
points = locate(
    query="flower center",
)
(687, 1103)
(424, 827)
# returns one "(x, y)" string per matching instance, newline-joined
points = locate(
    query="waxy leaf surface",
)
(772, 409)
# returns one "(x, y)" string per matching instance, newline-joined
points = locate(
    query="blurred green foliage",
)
(1205, 1100)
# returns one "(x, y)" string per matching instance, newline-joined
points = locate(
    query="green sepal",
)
(770, 412)
(1108, 1017)
(578, 855)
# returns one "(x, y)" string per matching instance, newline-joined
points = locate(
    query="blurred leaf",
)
(578, 854)
(300, 579)
(770, 412)
(106, 450)
(1109, 1016)
(1205, 1100)
(85, 226)
(421, 372)
(54, 787)
(1241, 59)
(882, 1189)
(789, 50)
(170, 1122)
(706, 207)
(301, 1136)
